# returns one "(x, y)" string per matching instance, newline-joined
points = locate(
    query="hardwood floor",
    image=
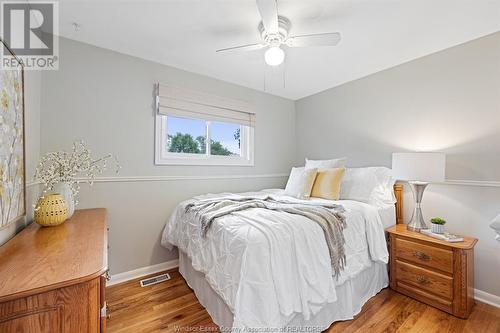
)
(172, 307)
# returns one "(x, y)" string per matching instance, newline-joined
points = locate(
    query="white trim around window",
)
(188, 104)
(164, 157)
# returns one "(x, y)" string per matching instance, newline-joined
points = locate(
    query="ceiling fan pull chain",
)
(265, 78)
(284, 75)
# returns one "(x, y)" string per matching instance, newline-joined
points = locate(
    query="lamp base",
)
(417, 222)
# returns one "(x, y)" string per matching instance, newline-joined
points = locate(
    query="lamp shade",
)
(424, 167)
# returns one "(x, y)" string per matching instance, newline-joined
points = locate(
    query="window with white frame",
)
(194, 128)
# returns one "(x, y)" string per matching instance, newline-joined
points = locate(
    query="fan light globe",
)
(274, 56)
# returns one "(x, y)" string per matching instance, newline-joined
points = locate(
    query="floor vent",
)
(155, 280)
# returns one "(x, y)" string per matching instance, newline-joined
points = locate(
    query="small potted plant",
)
(437, 224)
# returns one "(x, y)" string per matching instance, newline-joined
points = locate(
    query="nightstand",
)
(432, 271)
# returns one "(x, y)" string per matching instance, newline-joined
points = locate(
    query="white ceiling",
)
(377, 34)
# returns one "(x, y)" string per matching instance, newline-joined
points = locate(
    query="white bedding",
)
(351, 296)
(253, 259)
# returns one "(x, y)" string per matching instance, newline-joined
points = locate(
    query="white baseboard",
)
(136, 273)
(479, 295)
(487, 298)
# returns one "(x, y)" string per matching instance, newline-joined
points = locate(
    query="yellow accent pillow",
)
(327, 183)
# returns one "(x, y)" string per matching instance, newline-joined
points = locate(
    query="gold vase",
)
(51, 210)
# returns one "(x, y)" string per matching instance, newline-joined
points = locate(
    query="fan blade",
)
(248, 47)
(269, 13)
(326, 39)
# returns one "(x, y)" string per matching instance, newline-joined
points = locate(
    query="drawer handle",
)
(423, 280)
(107, 276)
(421, 255)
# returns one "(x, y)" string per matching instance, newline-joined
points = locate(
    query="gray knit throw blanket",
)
(329, 217)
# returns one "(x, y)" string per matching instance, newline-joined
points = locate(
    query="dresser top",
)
(400, 229)
(39, 259)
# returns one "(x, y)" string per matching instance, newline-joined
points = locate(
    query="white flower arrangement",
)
(73, 168)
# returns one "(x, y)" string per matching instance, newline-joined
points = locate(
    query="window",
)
(199, 129)
(185, 136)
(225, 139)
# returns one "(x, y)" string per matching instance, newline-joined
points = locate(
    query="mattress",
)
(352, 295)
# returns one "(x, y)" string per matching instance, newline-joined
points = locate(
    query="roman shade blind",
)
(185, 103)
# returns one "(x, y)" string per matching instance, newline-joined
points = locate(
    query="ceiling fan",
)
(274, 31)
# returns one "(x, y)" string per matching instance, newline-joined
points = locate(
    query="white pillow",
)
(373, 185)
(326, 164)
(300, 182)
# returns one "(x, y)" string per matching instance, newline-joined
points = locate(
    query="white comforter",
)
(269, 265)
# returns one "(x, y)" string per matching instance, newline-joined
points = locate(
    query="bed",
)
(253, 278)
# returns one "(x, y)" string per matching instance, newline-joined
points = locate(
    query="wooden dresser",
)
(432, 271)
(53, 279)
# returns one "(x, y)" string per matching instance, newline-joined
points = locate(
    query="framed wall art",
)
(12, 145)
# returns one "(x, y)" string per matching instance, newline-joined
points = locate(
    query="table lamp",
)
(419, 169)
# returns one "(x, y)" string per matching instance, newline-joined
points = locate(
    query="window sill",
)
(204, 162)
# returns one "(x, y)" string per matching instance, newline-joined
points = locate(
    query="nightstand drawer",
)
(424, 255)
(436, 283)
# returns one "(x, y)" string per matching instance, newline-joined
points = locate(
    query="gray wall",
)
(448, 101)
(106, 99)
(32, 90)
